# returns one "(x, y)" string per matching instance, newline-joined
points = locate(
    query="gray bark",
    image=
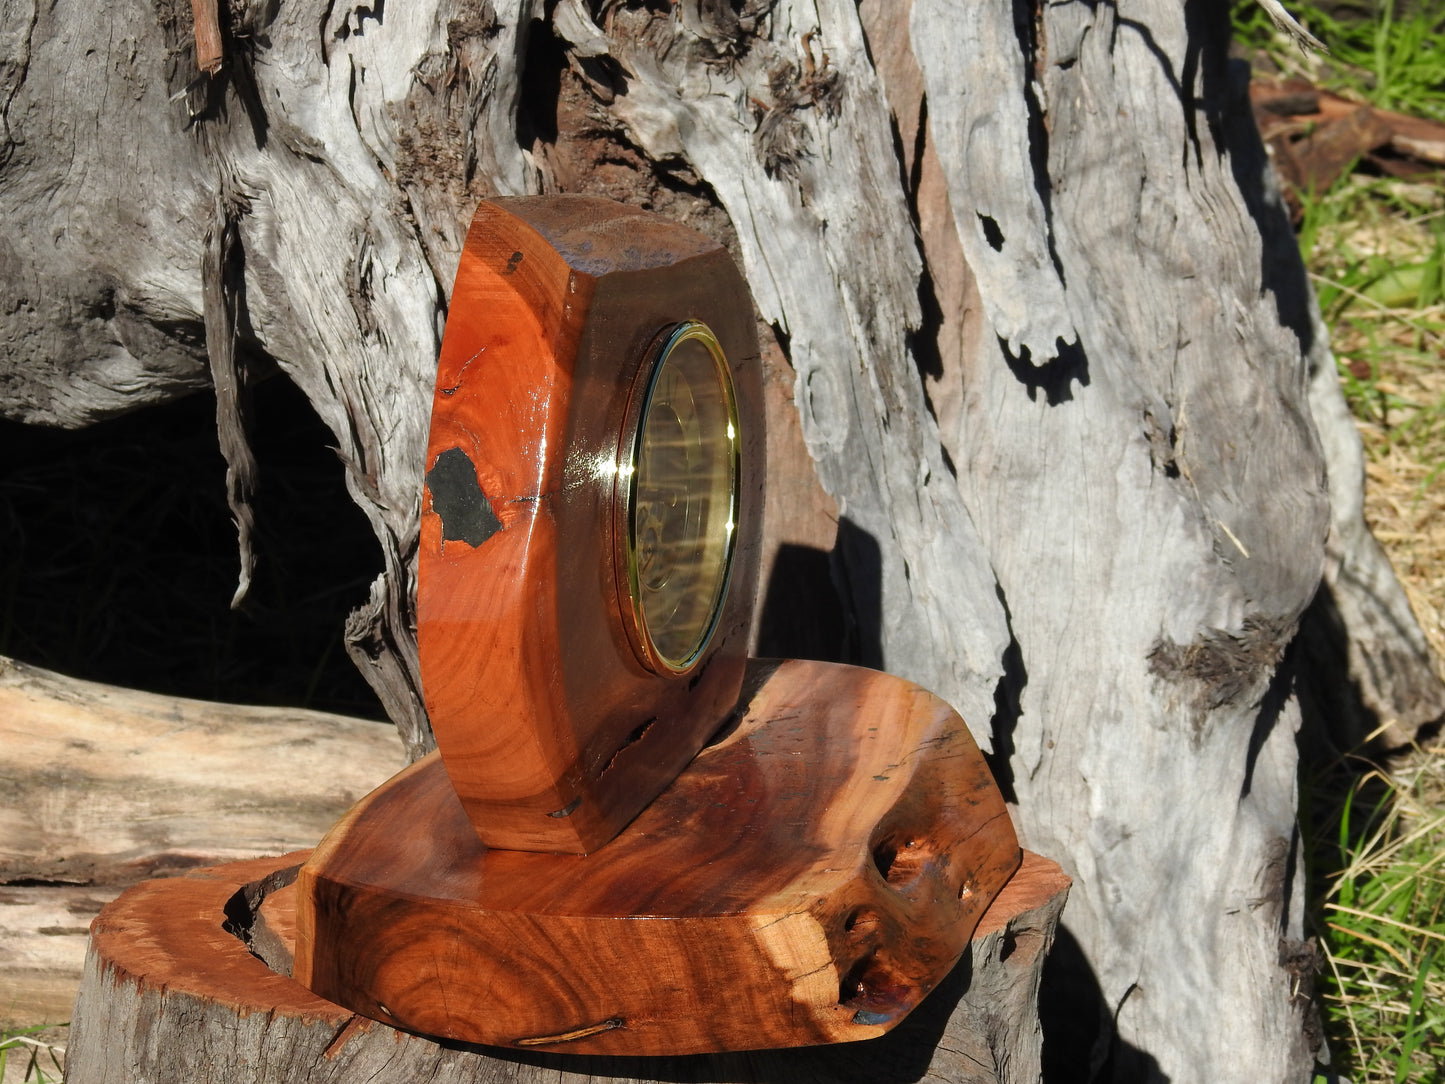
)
(1153, 499)
(825, 237)
(1368, 676)
(1040, 359)
(180, 228)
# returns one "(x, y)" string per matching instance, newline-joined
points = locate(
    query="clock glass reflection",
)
(684, 496)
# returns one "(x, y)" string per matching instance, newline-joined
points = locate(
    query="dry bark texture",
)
(301, 208)
(1047, 364)
(780, 113)
(1366, 666)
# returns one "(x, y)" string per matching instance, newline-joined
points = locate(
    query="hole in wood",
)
(873, 992)
(854, 984)
(1009, 944)
(899, 862)
(991, 233)
(884, 855)
(860, 922)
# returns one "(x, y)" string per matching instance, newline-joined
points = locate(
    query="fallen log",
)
(106, 786)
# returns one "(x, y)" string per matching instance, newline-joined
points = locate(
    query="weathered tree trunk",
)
(1023, 264)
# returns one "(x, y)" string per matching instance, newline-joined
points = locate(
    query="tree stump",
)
(176, 989)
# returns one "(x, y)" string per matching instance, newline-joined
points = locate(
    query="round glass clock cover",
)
(680, 504)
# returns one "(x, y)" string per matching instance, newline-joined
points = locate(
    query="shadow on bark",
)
(1339, 721)
(1080, 1043)
(825, 606)
(801, 614)
(1282, 270)
(858, 576)
(1007, 708)
(1056, 377)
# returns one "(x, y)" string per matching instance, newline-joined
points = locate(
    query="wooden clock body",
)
(554, 731)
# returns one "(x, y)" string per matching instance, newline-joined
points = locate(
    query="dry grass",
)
(1405, 448)
(1370, 253)
(32, 1055)
(1383, 917)
(1376, 249)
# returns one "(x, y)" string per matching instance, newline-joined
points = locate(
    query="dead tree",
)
(1048, 345)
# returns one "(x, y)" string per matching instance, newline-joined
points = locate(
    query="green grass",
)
(28, 1054)
(1375, 248)
(1388, 54)
(1380, 915)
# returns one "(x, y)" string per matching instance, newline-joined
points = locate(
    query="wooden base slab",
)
(809, 878)
(171, 994)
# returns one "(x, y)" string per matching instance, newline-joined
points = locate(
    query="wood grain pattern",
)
(210, 53)
(808, 879)
(171, 995)
(553, 732)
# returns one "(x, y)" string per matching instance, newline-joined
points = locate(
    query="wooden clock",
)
(633, 839)
(591, 516)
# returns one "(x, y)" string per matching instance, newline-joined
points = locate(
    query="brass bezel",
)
(625, 495)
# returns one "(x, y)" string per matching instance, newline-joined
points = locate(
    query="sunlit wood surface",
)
(553, 731)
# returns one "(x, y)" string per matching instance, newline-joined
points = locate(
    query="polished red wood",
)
(808, 878)
(553, 731)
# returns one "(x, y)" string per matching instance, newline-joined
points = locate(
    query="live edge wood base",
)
(172, 994)
(808, 878)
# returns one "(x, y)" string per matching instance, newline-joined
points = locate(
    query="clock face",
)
(678, 490)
